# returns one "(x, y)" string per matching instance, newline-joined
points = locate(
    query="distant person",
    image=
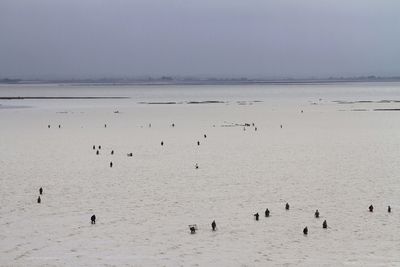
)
(316, 214)
(111, 164)
(162, 143)
(97, 152)
(192, 228)
(301, 111)
(371, 208)
(39, 200)
(255, 129)
(281, 126)
(149, 125)
(198, 143)
(112, 152)
(48, 126)
(59, 126)
(287, 206)
(196, 166)
(40, 191)
(130, 154)
(93, 219)
(256, 216)
(305, 231)
(94, 147)
(99, 147)
(324, 224)
(389, 209)
(214, 225)
(205, 136)
(105, 125)
(173, 125)
(267, 213)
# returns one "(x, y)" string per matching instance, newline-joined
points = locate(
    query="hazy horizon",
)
(63, 39)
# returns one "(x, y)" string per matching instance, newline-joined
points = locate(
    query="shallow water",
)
(329, 158)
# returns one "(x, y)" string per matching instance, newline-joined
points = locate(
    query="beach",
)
(331, 147)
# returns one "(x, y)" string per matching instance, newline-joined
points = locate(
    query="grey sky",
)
(219, 38)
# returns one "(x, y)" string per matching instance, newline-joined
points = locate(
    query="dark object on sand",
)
(371, 208)
(305, 231)
(130, 154)
(59, 126)
(198, 143)
(267, 213)
(214, 225)
(196, 166)
(162, 143)
(105, 125)
(389, 209)
(41, 191)
(39, 200)
(255, 129)
(97, 152)
(256, 216)
(281, 126)
(112, 152)
(173, 125)
(93, 219)
(192, 228)
(316, 214)
(99, 147)
(205, 136)
(287, 206)
(94, 147)
(324, 224)
(111, 164)
(48, 126)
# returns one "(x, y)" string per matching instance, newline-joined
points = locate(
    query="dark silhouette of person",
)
(287, 206)
(105, 125)
(197, 166)
(256, 216)
(41, 191)
(112, 152)
(205, 136)
(93, 219)
(130, 154)
(281, 126)
(59, 126)
(97, 152)
(48, 126)
(192, 229)
(255, 129)
(99, 147)
(173, 124)
(324, 224)
(39, 200)
(198, 143)
(94, 147)
(214, 225)
(316, 214)
(389, 209)
(111, 164)
(267, 213)
(162, 143)
(371, 208)
(305, 230)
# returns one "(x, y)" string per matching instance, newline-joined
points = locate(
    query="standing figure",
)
(112, 152)
(111, 164)
(324, 224)
(41, 191)
(389, 209)
(214, 225)
(371, 208)
(256, 216)
(39, 200)
(162, 143)
(93, 219)
(305, 231)
(316, 214)
(287, 206)
(267, 213)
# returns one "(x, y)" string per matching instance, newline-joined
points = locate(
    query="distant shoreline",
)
(178, 81)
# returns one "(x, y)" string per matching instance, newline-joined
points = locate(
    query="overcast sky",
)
(219, 38)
